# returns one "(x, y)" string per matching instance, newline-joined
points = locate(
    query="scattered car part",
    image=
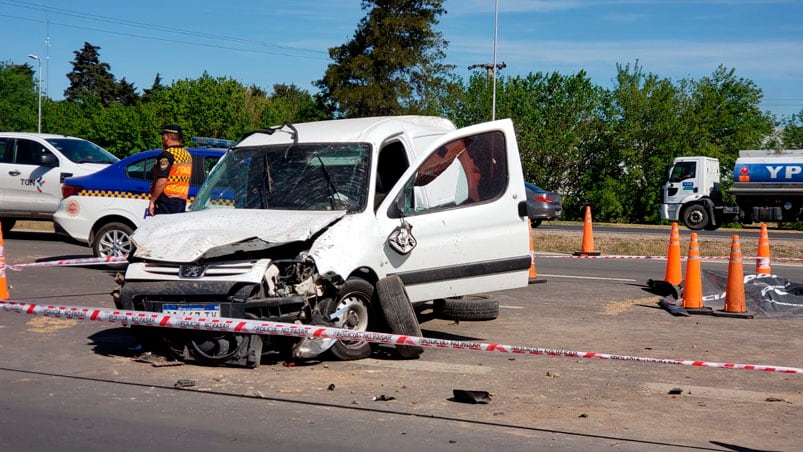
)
(399, 313)
(473, 307)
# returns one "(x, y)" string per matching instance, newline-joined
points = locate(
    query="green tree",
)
(648, 133)
(207, 106)
(288, 103)
(723, 116)
(18, 97)
(793, 132)
(91, 78)
(392, 65)
(157, 86)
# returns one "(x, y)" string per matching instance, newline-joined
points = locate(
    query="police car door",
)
(31, 179)
(456, 221)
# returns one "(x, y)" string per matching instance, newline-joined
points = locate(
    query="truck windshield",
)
(682, 171)
(322, 176)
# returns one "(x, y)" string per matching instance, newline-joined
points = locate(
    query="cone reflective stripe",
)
(587, 248)
(3, 282)
(734, 290)
(693, 287)
(673, 273)
(763, 256)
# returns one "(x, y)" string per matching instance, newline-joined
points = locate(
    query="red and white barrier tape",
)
(244, 326)
(72, 262)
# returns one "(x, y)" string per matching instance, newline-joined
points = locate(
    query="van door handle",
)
(14, 173)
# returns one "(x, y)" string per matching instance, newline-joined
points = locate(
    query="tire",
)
(113, 239)
(535, 223)
(356, 294)
(470, 308)
(695, 217)
(399, 314)
(8, 224)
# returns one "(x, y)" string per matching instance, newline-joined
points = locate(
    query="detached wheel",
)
(354, 299)
(468, 308)
(399, 313)
(695, 217)
(113, 239)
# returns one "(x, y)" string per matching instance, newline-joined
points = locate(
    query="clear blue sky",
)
(270, 41)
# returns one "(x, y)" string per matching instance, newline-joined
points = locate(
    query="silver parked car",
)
(542, 204)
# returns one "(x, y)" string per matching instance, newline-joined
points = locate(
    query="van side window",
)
(463, 172)
(391, 164)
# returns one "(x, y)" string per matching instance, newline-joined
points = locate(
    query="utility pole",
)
(39, 60)
(489, 67)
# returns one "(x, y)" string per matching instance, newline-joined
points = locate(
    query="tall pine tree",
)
(392, 65)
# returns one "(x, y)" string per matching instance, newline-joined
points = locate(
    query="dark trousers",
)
(169, 205)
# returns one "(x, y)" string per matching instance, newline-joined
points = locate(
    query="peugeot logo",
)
(191, 270)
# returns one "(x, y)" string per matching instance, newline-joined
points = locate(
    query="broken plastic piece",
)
(464, 396)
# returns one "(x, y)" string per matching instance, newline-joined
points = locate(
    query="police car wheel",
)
(113, 239)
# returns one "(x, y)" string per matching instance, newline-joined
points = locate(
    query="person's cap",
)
(172, 128)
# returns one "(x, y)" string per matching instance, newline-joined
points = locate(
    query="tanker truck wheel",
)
(695, 217)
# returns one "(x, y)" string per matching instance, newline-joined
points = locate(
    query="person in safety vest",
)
(171, 175)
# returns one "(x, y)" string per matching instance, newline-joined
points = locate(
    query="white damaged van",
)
(343, 223)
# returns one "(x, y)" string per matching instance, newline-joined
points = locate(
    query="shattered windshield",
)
(322, 176)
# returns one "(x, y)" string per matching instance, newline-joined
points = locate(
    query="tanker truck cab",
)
(691, 193)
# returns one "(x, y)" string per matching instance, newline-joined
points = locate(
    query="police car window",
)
(209, 162)
(142, 170)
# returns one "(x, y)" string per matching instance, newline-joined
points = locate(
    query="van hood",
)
(189, 236)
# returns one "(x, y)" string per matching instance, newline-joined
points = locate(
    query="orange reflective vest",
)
(178, 180)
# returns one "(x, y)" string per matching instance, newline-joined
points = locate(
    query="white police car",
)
(102, 209)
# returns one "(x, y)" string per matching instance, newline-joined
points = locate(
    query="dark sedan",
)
(542, 204)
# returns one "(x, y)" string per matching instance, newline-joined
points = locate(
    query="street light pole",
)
(39, 60)
(496, 29)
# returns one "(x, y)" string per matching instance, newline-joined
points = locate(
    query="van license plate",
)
(207, 311)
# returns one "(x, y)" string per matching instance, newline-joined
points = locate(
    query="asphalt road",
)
(71, 385)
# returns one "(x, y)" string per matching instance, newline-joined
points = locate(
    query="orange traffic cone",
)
(693, 287)
(763, 259)
(673, 273)
(533, 275)
(3, 282)
(588, 237)
(734, 290)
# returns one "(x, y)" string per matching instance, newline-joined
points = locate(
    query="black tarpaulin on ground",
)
(766, 296)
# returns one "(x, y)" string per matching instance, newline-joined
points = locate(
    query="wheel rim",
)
(114, 243)
(355, 314)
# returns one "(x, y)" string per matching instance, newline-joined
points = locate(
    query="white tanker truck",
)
(767, 187)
